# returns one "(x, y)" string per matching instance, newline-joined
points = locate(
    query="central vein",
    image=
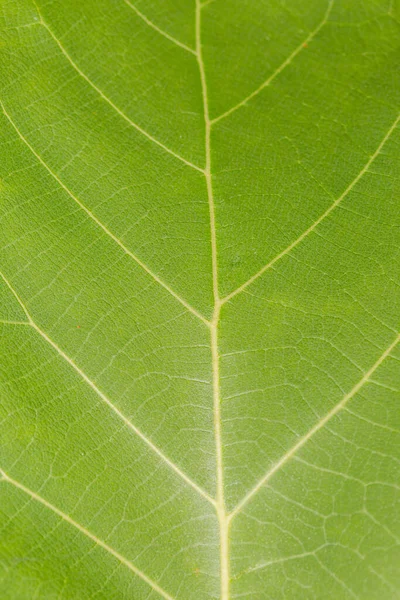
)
(220, 506)
(223, 518)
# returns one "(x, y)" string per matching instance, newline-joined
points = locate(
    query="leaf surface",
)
(199, 305)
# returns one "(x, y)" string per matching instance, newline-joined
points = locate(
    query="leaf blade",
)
(199, 318)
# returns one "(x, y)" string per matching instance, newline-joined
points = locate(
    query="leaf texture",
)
(199, 299)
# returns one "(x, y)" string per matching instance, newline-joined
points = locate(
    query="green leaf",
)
(200, 356)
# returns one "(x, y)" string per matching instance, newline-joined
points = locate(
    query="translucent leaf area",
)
(199, 300)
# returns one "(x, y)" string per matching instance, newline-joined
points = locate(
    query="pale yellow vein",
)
(317, 427)
(158, 29)
(103, 227)
(34, 496)
(220, 504)
(279, 70)
(109, 101)
(320, 219)
(106, 400)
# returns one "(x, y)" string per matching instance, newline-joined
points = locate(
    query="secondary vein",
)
(34, 496)
(103, 227)
(109, 101)
(320, 219)
(158, 29)
(334, 411)
(287, 62)
(106, 400)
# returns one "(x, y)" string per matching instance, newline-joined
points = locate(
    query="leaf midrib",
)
(219, 503)
(188, 163)
(226, 517)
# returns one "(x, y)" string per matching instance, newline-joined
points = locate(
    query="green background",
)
(124, 423)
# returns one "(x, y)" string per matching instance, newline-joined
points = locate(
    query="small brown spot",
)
(78, 326)
(305, 45)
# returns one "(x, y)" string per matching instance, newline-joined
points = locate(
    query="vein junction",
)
(102, 396)
(224, 517)
(220, 501)
(156, 28)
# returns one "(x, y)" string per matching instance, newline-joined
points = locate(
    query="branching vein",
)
(110, 102)
(103, 227)
(320, 219)
(106, 400)
(317, 427)
(220, 504)
(34, 496)
(279, 70)
(156, 28)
